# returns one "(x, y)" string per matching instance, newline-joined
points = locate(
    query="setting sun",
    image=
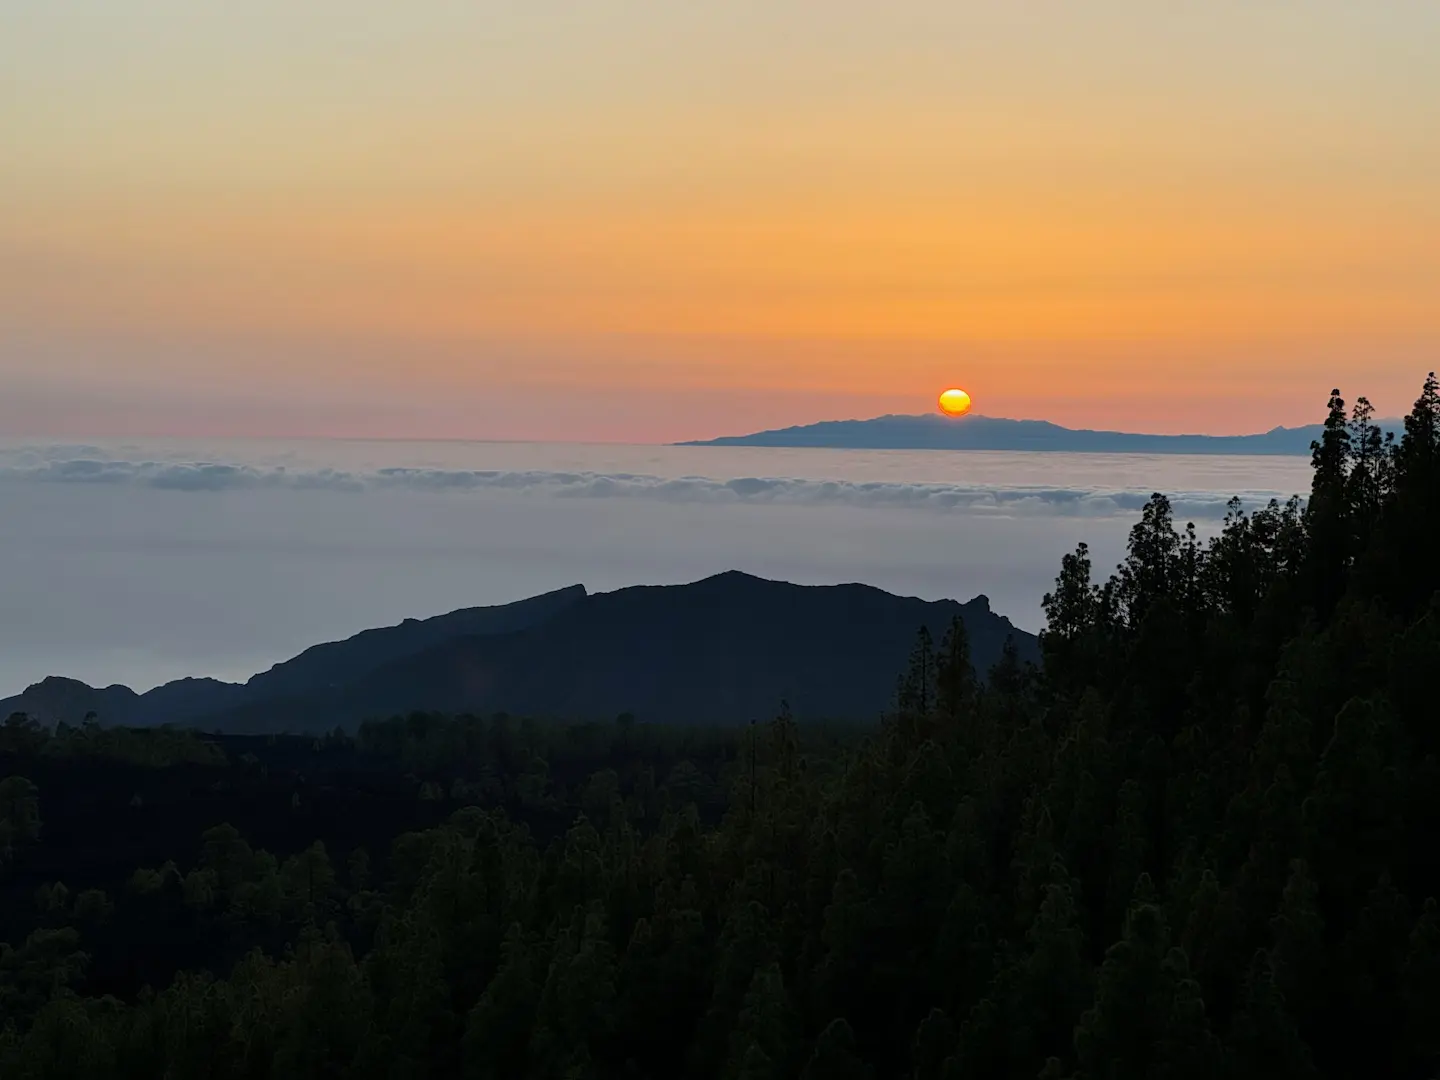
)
(954, 402)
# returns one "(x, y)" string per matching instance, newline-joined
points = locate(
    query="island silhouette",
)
(972, 432)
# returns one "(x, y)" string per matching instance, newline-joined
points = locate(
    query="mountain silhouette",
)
(320, 666)
(338, 662)
(975, 432)
(59, 698)
(725, 649)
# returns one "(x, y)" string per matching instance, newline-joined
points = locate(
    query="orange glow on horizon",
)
(1130, 216)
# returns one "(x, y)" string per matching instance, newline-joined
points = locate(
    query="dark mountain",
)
(70, 700)
(316, 669)
(338, 662)
(994, 433)
(182, 698)
(722, 650)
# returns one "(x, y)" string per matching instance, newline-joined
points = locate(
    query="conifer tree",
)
(1119, 1036)
(1421, 990)
(496, 1043)
(765, 1024)
(934, 1042)
(1419, 451)
(1414, 521)
(1328, 515)
(955, 675)
(916, 695)
(19, 815)
(1369, 478)
(1263, 1043)
(1298, 941)
(834, 1056)
(1151, 567)
(1330, 455)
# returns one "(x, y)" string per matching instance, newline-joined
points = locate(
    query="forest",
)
(1199, 839)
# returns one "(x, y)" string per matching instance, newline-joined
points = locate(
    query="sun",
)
(954, 402)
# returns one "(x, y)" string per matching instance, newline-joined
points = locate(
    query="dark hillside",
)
(316, 670)
(720, 650)
(338, 662)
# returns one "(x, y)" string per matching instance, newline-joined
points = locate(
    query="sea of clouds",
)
(118, 564)
(73, 465)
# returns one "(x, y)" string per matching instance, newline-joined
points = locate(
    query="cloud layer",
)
(87, 465)
(140, 563)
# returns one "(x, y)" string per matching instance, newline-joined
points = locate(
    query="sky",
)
(646, 221)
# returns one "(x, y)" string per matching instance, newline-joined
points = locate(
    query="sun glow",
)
(954, 402)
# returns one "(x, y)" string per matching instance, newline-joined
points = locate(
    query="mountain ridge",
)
(722, 649)
(978, 432)
(58, 698)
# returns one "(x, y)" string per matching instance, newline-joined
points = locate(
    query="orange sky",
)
(639, 221)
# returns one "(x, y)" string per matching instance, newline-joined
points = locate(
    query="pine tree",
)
(1415, 517)
(1075, 612)
(1007, 676)
(1369, 480)
(1421, 990)
(576, 1006)
(1070, 609)
(1330, 455)
(1327, 515)
(1054, 982)
(1374, 958)
(934, 1042)
(19, 815)
(834, 1057)
(496, 1043)
(765, 1024)
(843, 980)
(1264, 1043)
(916, 695)
(329, 1011)
(955, 675)
(1419, 451)
(1298, 936)
(1118, 1038)
(745, 946)
(1354, 804)
(1152, 560)
(1188, 1048)
(756, 1065)
(785, 744)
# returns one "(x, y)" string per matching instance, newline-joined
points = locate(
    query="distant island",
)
(972, 432)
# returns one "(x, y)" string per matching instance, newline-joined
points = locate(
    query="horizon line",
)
(481, 439)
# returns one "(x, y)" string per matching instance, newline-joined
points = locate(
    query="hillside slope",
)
(723, 650)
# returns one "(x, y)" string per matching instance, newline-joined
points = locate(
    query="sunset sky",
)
(657, 220)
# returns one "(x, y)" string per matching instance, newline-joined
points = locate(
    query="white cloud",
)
(1010, 501)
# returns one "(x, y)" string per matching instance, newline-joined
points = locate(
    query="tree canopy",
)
(1197, 841)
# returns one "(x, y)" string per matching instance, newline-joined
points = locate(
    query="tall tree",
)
(765, 1025)
(834, 1057)
(1328, 515)
(955, 675)
(916, 695)
(1369, 479)
(1414, 521)
(19, 815)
